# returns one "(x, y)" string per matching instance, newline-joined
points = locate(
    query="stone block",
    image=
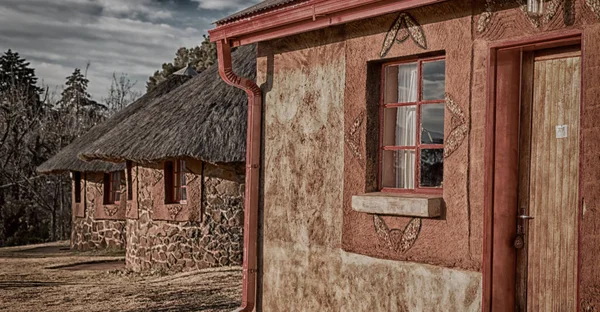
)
(172, 231)
(210, 259)
(178, 254)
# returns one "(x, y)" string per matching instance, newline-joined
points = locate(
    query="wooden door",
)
(549, 181)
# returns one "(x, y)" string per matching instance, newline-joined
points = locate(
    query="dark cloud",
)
(128, 36)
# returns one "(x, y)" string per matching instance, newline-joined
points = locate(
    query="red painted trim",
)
(549, 40)
(253, 138)
(419, 146)
(540, 40)
(306, 17)
(581, 150)
(490, 125)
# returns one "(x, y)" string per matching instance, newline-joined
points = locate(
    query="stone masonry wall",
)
(88, 233)
(214, 239)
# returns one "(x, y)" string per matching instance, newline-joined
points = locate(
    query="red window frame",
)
(77, 186)
(175, 182)
(419, 146)
(112, 188)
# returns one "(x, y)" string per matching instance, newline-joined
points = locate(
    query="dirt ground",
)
(50, 277)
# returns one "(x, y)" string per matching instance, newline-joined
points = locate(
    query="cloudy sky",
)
(123, 36)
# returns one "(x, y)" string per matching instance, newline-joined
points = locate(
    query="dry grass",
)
(33, 278)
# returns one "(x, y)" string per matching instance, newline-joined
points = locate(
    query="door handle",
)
(526, 217)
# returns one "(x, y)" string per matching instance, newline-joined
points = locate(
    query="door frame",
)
(501, 174)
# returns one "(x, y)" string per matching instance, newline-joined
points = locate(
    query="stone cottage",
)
(185, 152)
(100, 195)
(420, 155)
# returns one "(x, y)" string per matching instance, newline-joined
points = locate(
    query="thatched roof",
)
(67, 160)
(203, 119)
(255, 9)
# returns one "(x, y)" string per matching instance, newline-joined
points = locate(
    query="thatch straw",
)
(67, 160)
(203, 119)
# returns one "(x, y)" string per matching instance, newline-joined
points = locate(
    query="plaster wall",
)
(204, 232)
(320, 145)
(89, 232)
(303, 267)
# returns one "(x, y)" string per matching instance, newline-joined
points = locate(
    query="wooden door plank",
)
(552, 249)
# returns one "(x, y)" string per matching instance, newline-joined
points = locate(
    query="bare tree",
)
(121, 92)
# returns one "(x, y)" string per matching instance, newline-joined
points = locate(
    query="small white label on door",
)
(561, 131)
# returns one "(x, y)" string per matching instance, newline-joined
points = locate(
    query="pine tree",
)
(200, 57)
(79, 110)
(18, 80)
(75, 95)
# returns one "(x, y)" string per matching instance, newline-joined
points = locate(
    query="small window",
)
(412, 121)
(112, 188)
(77, 186)
(175, 182)
(129, 181)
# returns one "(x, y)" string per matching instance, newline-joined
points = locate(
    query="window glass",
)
(432, 123)
(432, 167)
(398, 169)
(434, 80)
(129, 181)
(77, 186)
(401, 83)
(412, 121)
(183, 182)
(116, 186)
(400, 126)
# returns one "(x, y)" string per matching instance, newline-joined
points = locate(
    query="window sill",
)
(176, 203)
(409, 205)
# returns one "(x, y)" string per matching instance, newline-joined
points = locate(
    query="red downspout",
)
(252, 164)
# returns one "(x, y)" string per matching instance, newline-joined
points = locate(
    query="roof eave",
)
(305, 17)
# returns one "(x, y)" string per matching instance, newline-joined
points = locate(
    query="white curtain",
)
(406, 126)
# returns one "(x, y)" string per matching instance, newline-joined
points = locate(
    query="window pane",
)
(398, 169)
(432, 124)
(399, 127)
(182, 173)
(183, 193)
(432, 167)
(434, 80)
(401, 83)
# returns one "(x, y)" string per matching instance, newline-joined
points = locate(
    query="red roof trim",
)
(307, 16)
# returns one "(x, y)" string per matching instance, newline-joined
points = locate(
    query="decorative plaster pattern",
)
(460, 127)
(405, 26)
(395, 239)
(485, 17)
(157, 175)
(594, 6)
(174, 210)
(111, 210)
(353, 136)
(552, 9)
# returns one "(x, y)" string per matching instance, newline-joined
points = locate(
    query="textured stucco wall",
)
(303, 267)
(205, 232)
(95, 195)
(318, 254)
(89, 232)
(446, 241)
